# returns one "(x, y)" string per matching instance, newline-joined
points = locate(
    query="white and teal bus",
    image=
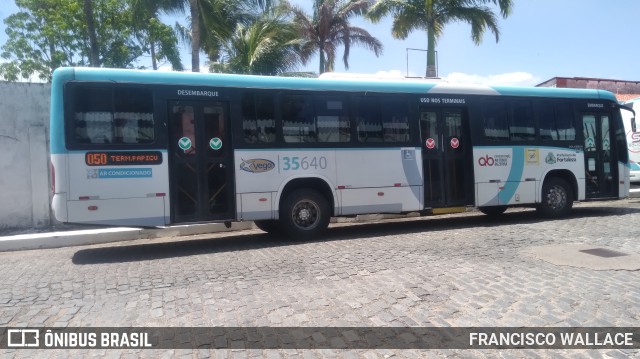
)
(633, 140)
(150, 148)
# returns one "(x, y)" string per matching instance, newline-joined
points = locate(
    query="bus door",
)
(201, 167)
(445, 148)
(601, 166)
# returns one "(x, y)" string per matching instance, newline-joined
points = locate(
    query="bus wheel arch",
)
(270, 226)
(567, 176)
(493, 211)
(305, 208)
(559, 190)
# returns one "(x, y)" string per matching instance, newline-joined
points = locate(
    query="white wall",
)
(24, 157)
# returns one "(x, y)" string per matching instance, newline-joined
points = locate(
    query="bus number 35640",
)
(303, 163)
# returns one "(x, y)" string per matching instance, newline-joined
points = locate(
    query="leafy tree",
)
(115, 32)
(46, 34)
(329, 28)
(432, 16)
(268, 45)
(41, 38)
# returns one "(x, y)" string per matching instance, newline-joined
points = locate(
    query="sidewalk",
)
(67, 238)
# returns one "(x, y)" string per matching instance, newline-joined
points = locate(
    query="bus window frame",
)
(410, 100)
(71, 142)
(475, 104)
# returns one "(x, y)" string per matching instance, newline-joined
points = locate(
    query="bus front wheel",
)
(304, 214)
(557, 198)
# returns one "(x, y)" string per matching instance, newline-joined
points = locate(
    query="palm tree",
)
(432, 16)
(157, 38)
(201, 12)
(266, 46)
(329, 28)
(194, 8)
(212, 22)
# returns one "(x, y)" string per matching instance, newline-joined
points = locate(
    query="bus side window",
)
(395, 120)
(112, 115)
(495, 121)
(522, 124)
(547, 122)
(258, 120)
(133, 116)
(298, 123)
(367, 115)
(333, 119)
(565, 122)
(556, 121)
(93, 117)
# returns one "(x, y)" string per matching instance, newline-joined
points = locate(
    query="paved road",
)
(455, 270)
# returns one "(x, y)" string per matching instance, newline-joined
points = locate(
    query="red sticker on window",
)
(455, 143)
(430, 143)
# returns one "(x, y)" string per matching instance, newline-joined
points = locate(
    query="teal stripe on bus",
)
(248, 81)
(555, 93)
(515, 175)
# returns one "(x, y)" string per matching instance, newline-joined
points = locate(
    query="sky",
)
(540, 40)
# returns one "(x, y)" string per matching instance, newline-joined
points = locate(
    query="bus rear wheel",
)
(557, 198)
(493, 211)
(304, 214)
(268, 225)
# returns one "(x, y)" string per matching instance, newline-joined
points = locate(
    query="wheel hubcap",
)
(305, 214)
(557, 198)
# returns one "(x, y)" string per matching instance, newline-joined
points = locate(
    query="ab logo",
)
(486, 161)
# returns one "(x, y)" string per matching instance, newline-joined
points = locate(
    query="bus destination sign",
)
(114, 158)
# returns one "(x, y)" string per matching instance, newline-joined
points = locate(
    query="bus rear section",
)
(108, 165)
(126, 152)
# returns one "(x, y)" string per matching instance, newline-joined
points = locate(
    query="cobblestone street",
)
(463, 270)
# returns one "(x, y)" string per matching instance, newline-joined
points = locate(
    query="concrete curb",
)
(118, 234)
(107, 235)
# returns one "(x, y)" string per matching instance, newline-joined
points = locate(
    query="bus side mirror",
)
(633, 124)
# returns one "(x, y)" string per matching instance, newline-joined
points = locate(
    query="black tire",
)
(493, 211)
(557, 198)
(304, 214)
(269, 225)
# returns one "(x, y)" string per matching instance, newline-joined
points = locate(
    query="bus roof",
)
(415, 86)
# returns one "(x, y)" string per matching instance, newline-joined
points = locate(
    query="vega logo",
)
(257, 165)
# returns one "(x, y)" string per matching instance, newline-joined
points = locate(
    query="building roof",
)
(626, 97)
(563, 79)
